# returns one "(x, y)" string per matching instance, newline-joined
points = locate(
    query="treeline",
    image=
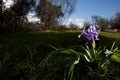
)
(50, 12)
(13, 17)
(103, 23)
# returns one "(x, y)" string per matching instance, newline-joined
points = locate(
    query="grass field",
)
(22, 52)
(64, 39)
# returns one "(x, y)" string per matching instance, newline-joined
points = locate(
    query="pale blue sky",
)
(86, 8)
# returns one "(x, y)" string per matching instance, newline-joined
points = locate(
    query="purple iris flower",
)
(91, 34)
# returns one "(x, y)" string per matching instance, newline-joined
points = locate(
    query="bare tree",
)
(116, 21)
(48, 12)
(67, 7)
(101, 22)
(73, 26)
(86, 25)
(53, 11)
(15, 15)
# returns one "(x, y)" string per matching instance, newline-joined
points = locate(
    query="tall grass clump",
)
(21, 63)
(30, 57)
(89, 63)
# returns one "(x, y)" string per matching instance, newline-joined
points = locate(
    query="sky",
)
(84, 9)
(8, 3)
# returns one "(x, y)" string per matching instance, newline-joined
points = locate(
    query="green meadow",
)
(58, 39)
(22, 53)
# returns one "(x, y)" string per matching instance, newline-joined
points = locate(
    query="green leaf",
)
(76, 61)
(88, 52)
(71, 69)
(112, 46)
(115, 58)
(70, 73)
(70, 51)
(87, 59)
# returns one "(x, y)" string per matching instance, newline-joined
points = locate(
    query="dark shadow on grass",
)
(107, 42)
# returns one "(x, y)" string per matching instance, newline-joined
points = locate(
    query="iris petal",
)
(91, 34)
